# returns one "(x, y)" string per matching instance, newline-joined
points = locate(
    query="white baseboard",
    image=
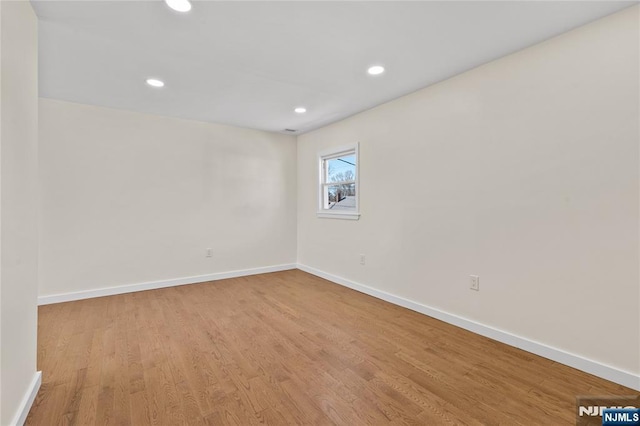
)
(27, 400)
(604, 371)
(151, 285)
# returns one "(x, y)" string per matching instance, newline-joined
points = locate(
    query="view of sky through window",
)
(341, 169)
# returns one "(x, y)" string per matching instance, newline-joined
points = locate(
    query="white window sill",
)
(347, 216)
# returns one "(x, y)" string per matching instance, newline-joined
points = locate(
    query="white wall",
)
(129, 198)
(523, 171)
(18, 204)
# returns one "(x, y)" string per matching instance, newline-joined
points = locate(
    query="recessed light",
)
(179, 5)
(300, 110)
(154, 82)
(376, 70)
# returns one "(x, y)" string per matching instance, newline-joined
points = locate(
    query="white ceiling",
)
(249, 64)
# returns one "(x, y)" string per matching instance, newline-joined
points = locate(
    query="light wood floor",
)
(285, 348)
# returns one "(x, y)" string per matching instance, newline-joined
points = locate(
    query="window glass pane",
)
(340, 197)
(341, 169)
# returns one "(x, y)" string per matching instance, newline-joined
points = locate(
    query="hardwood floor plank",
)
(87, 411)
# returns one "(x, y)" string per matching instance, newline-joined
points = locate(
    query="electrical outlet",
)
(209, 252)
(475, 282)
(363, 259)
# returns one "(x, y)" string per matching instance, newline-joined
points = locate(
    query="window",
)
(338, 189)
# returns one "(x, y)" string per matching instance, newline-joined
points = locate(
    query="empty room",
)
(319, 212)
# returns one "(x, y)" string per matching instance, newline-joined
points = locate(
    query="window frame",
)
(328, 155)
